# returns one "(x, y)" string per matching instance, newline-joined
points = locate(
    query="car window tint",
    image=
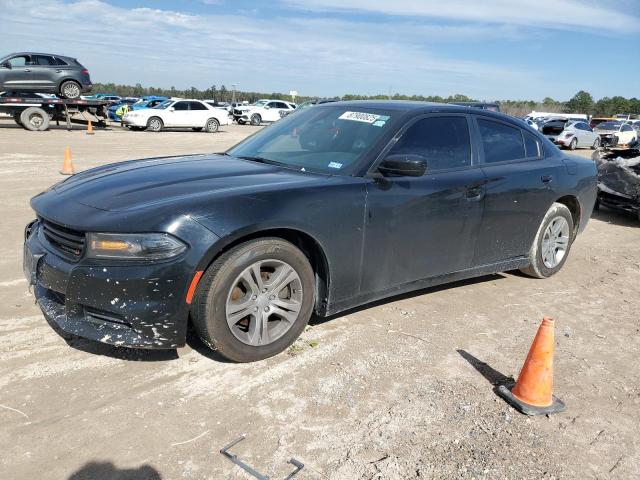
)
(443, 141)
(181, 106)
(626, 128)
(501, 142)
(44, 60)
(197, 106)
(19, 61)
(531, 145)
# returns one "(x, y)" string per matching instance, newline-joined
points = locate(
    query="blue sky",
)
(500, 49)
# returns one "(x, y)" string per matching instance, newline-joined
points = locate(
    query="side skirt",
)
(503, 266)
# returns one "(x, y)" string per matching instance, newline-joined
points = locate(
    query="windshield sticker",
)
(335, 165)
(359, 117)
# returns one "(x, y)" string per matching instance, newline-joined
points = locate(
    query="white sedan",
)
(179, 113)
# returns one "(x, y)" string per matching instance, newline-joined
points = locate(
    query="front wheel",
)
(154, 124)
(596, 144)
(552, 243)
(255, 300)
(256, 119)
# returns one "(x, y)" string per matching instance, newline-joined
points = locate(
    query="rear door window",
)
(443, 141)
(44, 60)
(501, 142)
(531, 145)
(197, 106)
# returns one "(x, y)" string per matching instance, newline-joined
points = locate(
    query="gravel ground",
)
(402, 389)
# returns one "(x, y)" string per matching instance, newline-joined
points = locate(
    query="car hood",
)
(178, 181)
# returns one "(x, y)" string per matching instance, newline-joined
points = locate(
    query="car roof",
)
(410, 105)
(39, 53)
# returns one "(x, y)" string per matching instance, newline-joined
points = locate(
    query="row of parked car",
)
(578, 132)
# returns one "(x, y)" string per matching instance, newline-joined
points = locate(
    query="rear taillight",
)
(85, 71)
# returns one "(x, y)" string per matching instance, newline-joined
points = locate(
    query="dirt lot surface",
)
(399, 390)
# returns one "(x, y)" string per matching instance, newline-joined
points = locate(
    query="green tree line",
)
(581, 102)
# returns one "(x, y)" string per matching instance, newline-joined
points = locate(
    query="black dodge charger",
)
(333, 207)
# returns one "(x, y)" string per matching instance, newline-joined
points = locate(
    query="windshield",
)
(260, 103)
(325, 139)
(609, 126)
(164, 104)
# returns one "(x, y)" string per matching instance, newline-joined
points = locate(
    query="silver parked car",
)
(571, 134)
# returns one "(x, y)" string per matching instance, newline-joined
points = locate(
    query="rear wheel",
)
(255, 300)
(212, 125)
(596, 144)
(552, 243)
(70, 89)
(35, 119)
(573, 144)
(256, 119)
(154, 124)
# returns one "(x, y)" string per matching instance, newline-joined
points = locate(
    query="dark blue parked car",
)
(333, 207)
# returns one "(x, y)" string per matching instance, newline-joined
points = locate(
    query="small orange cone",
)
(67, 165)
(533, 392)
(89, 128)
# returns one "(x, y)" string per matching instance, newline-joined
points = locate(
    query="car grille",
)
(67, 241)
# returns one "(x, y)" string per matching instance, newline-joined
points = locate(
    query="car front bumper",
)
(134, 121)
(141, 305)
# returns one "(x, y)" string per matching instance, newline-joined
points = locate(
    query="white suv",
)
(178, 113)
(262, 111)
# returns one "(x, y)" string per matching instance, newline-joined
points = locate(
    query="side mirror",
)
(403, 165)
(267, 107)
(7, 65)
(172, 109)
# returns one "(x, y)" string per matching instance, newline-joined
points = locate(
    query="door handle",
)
(546, 178)
(27, 69)
(474, 193)
(58, 71)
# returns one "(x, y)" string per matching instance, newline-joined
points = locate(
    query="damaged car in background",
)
(616, 134)
(619, 179)
(571, 134)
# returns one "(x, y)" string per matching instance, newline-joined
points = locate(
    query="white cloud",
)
(557, 14)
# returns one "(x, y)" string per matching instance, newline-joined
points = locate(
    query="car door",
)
(519, 189)
(45, 72)
(178, 115)
(420, 227)
(199, 114)
(272, 113)
(585, 134)
(19, 75)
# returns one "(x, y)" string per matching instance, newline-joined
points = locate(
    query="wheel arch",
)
(573, 204)
(311, 248)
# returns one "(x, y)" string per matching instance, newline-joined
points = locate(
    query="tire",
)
(35, 119)
(223, 279)
(197, 129)
(256, 119)
(539, 267)
(596, 144)
(573, 144)
(154, 124)
(212, 125)
(70, 89)
(241, 122)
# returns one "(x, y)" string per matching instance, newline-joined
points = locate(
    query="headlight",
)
(134, 246)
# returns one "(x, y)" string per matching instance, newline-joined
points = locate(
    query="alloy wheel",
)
(71, 90)
(555, 242)
(264, 302)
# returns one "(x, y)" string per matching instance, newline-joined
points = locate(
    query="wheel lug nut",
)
(254, 297)
(255, 309)
(266, 309)
(272, 297)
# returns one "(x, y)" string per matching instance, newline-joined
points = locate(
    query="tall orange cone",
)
(89, 128)
(67, 165)
(533, 392)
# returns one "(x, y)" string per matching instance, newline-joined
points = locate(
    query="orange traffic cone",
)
(67, 165)
(89, 128)
(533, 392)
